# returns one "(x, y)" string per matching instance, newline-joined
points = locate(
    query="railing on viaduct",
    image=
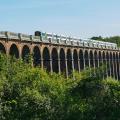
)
(62, 54)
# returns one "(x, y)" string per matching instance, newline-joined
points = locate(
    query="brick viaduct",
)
(62, 54)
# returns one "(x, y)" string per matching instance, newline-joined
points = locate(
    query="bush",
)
(28, 93)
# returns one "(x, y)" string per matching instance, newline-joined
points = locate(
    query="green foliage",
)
(28, 93)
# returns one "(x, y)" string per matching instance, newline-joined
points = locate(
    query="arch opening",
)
(55, 60)
(111, 64)
(100, 58)
(86, 59)
(104, 58)
(2, 48)
(114, 64)
(14, 52)
(119, 67)
(104, 64)
(117, 64)
(62, 61)
(96, 59)
(69, 61)
(75, 58)
(36, 56)
(100, 63)
(108, 64)
(25, 53)
(46, 59)
(91, 59)
(81, 60)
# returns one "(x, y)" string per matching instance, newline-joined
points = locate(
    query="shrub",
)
(28, 93)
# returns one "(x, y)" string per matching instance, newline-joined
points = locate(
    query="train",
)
(76, 41)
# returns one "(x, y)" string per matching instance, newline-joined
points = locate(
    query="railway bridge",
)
(62, 54)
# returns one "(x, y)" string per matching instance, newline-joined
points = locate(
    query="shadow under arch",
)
(91, 59)
(36, 56)
(54, 55)
(86, 56)
(96, 59)
(104, 64)
(117, 65)
(46, 59)
(25, 53)
(14, 52)
(100, 71)
(100, 58)
(114, 65)
(2, 48)
(111, 64)
(69, 61)
(81, 60)
(108, 63)
(75, 58)
(62, 61)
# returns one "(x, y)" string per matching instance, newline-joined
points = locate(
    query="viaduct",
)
(61, 54)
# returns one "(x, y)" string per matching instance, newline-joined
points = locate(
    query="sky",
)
(75, 18)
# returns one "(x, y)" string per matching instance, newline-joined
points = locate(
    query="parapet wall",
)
(60, 40)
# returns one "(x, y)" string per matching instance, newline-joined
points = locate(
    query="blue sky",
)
(77, 18)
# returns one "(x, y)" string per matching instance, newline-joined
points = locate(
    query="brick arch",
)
(96, 58)
(54, 56)
(25, 53)
(104, 64)
(115, 65)
(104, 57)
(81, 58)
(91, 58)
(51, 48)
(69, 61)
(108, 62)
(62, 57)
(114, 55)
(43, 47)
(119, 65)
(86, 56)
(2, 48)
(75, 58)
(14, 51)
(111, 64)
(100, 58)
(28, 46)
(36, 56)
(107, 55)
(117, 55)
(46, 58)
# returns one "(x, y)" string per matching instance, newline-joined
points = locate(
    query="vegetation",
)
(115, 39)
(28, 93)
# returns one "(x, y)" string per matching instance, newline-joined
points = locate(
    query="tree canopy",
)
(28, 93)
